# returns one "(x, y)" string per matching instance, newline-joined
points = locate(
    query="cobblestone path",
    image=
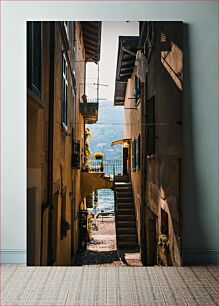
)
(101, 250)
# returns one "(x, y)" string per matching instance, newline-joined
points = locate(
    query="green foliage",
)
(87, 151)
(98, 154)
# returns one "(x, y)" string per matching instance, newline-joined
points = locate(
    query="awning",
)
(92, 40)
(125, 64)
(121, 141)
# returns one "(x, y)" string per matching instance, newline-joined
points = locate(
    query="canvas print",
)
(104, 143)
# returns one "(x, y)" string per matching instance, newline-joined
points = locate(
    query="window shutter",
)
(137, 88)
(133, 154)
(36, 56)
(150, 113)
(76, 154)
(138, 152)
(64, 90)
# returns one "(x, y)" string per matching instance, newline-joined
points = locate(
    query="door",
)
(125, 160)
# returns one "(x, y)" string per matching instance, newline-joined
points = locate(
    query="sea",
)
(108, 128)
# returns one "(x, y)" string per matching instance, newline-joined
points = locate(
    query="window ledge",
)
(65, 130)
(35, 98)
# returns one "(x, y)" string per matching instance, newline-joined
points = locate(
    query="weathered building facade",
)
(57, 53)
(149, 86)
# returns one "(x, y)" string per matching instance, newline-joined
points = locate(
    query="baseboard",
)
(200, 257)
(13, 256)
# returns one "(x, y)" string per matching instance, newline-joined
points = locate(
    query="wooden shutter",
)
(64, 90)
(36, 57)
(76, 154)
(133, 154)
(138, 152)
(137, 88)
(150, 127)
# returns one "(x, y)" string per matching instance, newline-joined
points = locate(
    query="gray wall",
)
(200, 184)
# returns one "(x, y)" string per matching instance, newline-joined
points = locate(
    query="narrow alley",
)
(97, 123)
(102, 250)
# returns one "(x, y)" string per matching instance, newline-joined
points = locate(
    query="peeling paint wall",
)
(157, 199)
(164, 168)
(132, 123)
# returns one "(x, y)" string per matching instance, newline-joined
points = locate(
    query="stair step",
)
(124, 200)
(126, 217)
(126, 230)
(121, 178)
(123, 184)
(125, 211)
(121, 194)
(125, 206)
(127, 244)
(126, 223)
(127, 238)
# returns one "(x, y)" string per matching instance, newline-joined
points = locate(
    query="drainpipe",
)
(50, 141)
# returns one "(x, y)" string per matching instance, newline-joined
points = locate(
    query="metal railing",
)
(108, 166)
(90, 90)
(115, 203)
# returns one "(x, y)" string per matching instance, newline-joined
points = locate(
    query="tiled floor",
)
(23, 285)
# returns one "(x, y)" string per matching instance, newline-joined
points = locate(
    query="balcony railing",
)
(106, 166)
(89, 102)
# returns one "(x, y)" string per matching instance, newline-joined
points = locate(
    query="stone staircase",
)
(126, 232)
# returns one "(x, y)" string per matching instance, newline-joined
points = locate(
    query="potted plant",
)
(163, 242)
(98, 155)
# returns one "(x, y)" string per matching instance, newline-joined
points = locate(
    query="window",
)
(134, 155)
(64, 91)
(34, 56)
(138, 152)
(76, 154)
(150, 126)
(137, 89)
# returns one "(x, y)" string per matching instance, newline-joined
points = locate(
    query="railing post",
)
(115, 202)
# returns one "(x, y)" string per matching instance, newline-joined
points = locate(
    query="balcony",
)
(89, 103)
(89, 110)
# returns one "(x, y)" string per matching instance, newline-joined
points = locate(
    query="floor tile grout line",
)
(39, 279)
(130, 288)
(205, 279)
(160, 288)
(187, 303)
(16, 280)
(191, 292)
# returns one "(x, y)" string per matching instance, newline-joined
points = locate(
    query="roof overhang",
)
(125, 64)
(92, 39)
(121, 141)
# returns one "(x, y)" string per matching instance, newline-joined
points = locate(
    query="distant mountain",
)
(108, 128)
